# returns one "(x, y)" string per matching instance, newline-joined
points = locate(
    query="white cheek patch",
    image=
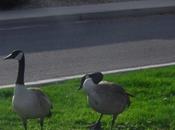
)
(19, 56)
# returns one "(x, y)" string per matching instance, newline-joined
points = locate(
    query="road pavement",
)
(93, 11)
(55, 49)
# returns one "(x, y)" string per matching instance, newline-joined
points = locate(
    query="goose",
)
(28, 103)
(104, 97)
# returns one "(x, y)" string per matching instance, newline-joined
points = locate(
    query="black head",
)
(16, 54)
(96, 78)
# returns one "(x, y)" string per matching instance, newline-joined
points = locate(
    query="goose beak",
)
(80, 87)
(10, 56)
(81, 82)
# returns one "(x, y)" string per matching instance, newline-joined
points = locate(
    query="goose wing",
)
(113, 92)
(43, 99)
(109, 87)
(114, 98)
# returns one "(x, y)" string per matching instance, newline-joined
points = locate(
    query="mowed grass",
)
(152, 108)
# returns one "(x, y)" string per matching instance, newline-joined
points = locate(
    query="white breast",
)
(93, 96)
(88, 86)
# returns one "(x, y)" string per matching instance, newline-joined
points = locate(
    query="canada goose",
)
(104, 97)
(28, 103)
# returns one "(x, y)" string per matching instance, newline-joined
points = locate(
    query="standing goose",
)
(28, 103)
(104, 97)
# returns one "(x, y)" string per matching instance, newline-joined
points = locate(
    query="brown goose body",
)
(28, 103)
(104, 97)
(108, 98)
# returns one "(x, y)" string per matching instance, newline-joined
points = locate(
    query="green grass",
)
(152, 108)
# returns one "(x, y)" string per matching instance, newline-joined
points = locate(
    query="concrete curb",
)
(61, 79)
(131, 8)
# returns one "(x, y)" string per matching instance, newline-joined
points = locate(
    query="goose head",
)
(94, 78)
(16, 54)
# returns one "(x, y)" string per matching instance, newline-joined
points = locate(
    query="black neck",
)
(21, 68)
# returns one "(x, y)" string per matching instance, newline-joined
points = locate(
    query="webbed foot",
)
(96, 126)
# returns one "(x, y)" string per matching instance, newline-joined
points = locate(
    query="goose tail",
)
(49, 114)
(130, 95)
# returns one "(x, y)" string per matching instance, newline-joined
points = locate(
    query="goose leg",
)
(41, 123)
(100, 118)
(24, 121)
(97, 125)
(113, 121)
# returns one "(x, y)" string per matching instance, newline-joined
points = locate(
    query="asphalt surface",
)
(55, 49)
(93, 11)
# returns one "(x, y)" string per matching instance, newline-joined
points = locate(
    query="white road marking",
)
(56, 80)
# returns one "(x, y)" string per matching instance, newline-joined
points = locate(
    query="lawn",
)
(152, 108)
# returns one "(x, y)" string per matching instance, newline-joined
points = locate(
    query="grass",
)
(152, 108)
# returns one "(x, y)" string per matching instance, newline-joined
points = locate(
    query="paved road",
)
(54, 49)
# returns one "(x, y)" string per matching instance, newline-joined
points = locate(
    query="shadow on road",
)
(51, 35)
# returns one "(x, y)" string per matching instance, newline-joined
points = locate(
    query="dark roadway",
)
(55, 49)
